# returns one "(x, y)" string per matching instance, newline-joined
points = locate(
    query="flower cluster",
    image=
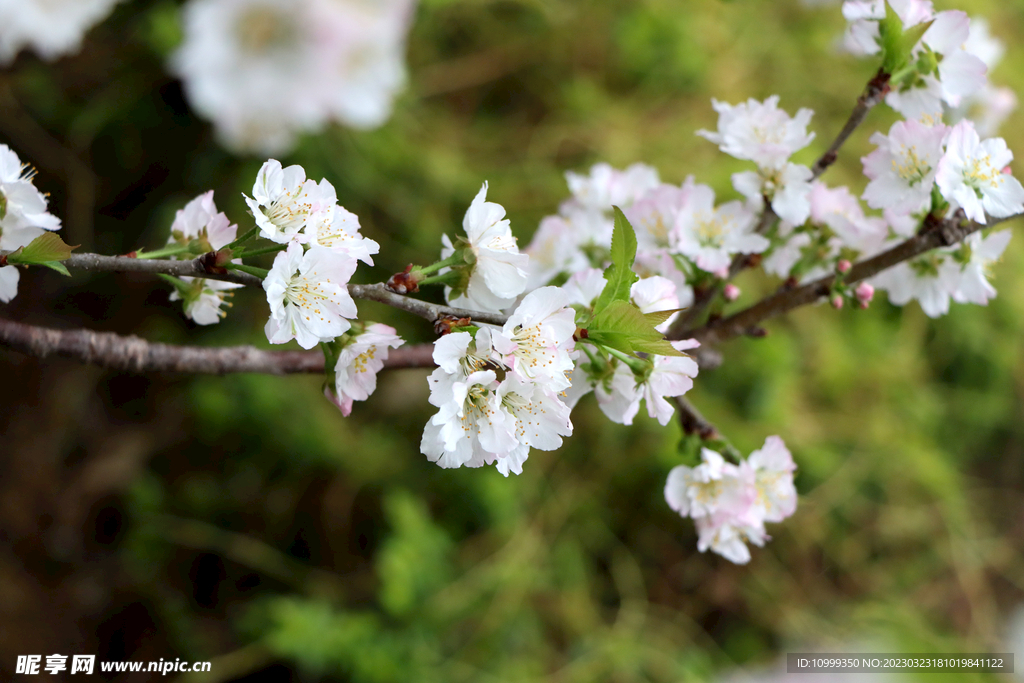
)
(23, 215)
(730, 503)
(266, 70)
(50, 27)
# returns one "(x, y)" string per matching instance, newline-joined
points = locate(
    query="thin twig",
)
(942, 233)
(132, 354)
(873, 93)
(693, 422)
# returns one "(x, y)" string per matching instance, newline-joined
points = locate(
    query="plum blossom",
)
(930, 278)
(359, 361)
(657, 293)
(498, 272)
(787, 188)
(970, 175)
(978, 255)
(266, 70)
(669, 376)
(470, 426)
(541, 420)
(23, 215)
(284, 203)
(204, 299)
(553, 250)
(710, 236)
(338, 230)
(536, 343)
(200, 220)
(50, 27)
(760, 131)
(730, 503)
(902, 169)
(862, 34)
(606, 186)
(308, 299)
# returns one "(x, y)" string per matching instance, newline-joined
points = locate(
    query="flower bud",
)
(731, 292)
(837, 301)
(864, 293)
(844, 266)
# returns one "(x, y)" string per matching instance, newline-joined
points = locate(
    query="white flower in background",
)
(988, 108)
(553, 250)
(979, 254)
(656, 293)
(842, 213)
(338, 230)
(721, 535)
(308, 299)
(50, 27)
(710, 236)
(605, 186)
(23, 215)
(470, 427)
(970, 175)
(200, 220)
(618, 396)
(653, 217)
(773, 476)
(862, 34)
(930, 278)
(536, 343)
(498, 273)
(760, 131)
(787, 188)
(267, 70)
(358, 363)
(285, 204)
(584, 286)
(902, 169)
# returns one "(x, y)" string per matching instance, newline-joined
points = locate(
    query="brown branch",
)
(133, 354)
(873, 93)
(693, 422)
(200, 267)
(937, 233)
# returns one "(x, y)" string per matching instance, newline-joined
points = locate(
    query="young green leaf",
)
(46, 250)
(619, 275)
(622, 326)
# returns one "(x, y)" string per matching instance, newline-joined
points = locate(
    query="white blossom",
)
(204, 299)
(930, 278)
(760, 131)
(284, 203)
(200, 220)
(536, 342)
(9, 277)
(498, 272)
(787, 188)
(773, 477)
(654, 294)
(308, 299)
(710, 236)
(606, 186)
(50, 27)
(970, 175)
(902, 169)
(979, 254)
(266, 70)
(362, 357)
(669, 376)
(553, 250)
(338, 230)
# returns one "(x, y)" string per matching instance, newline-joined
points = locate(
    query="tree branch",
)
(873, 93)
(201, 267)
(693, 422)
(133, 354)
(939, 233)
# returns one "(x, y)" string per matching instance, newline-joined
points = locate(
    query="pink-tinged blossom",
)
(308, 297)
(731, 292)
(837, 209)
(362, 357)
(710, 236)
(654, 294)
(864, 293)
(554, 250)
(618, 396)
(50, 27)
(670, 376)
(536, 343)
(773, 475)
(970, 175)
(720, 534)
(760, 131)
(200, 220)
(284, 202)
(902, 169)
(931, 279)
(499, 271)
(979, 254)
(606, 186)
(584, 286)
(787, 187)
(653, 216)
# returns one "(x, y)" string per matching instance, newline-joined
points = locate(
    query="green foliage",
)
(46, 250)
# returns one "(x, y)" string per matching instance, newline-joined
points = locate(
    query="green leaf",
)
(622, 326)
(661, 347)
(619, 275)
(656, 318)
(47, 250)
(897, 42)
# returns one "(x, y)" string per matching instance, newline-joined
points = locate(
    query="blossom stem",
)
(265, 250)
(637, 365)
(261, 273)
(455, 259)
(443, 279)
(164, 253)
(248, 235)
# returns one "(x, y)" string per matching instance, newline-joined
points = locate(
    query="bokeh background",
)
(242, 520)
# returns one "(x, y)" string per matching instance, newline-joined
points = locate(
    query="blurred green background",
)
(242, 520)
